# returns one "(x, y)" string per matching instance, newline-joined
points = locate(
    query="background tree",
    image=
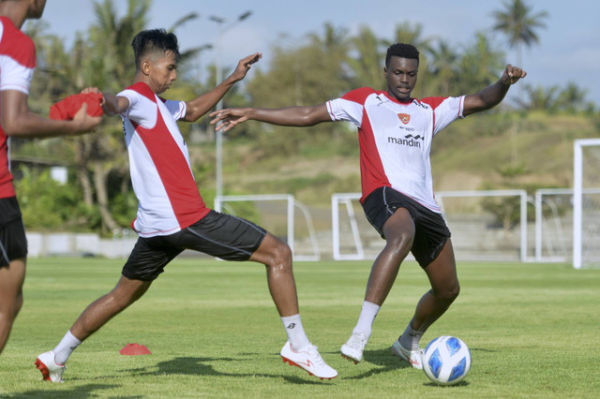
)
(369, 59)
(518, 22)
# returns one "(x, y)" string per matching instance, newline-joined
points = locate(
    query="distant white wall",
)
(78, 244)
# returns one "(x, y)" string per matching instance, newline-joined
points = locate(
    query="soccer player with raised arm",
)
(17, 63)
(171, 214)
(395, 133)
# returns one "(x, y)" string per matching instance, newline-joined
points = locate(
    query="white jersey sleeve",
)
(14, 76)
(447, 111)
(350, 107)
(177, 109)
(17, 58)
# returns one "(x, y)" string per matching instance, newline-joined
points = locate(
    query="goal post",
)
(586, 203)
(291, 205)
(553, 208)
(346, 200)
(479, 236)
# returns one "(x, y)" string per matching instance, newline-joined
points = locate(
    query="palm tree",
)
(443, 67)
(413, 34)
(538, 98)
(367, 66)
(518, 22)
(572, 98)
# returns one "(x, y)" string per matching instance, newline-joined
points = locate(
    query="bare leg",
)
(277, 257)
(444, 289)
(11, 296)
(99, 312)
(399, 231)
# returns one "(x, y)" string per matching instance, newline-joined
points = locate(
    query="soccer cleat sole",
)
(42, 367)
(292, 363)
(350, 358)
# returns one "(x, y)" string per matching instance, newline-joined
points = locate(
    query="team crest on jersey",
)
(404, 118)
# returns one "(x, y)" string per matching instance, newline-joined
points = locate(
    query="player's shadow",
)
(462, 383)
(384, 359)
(201, 366)
(76, 392)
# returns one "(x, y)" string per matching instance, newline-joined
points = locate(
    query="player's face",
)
(36, 9)
(162, 71)
(401, 77)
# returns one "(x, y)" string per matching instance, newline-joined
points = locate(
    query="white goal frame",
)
(522, 194)
(292, 204)
(345, 199)
(539, 203)
(578, 197)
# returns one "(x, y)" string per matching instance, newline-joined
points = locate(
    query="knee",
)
(449, 293)
(10, 307)
(18, 304)
(400, 243)
(280, 256)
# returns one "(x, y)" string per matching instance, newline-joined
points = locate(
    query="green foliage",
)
(49, 205)
(325, 65)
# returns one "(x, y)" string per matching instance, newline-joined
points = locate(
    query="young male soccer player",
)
(17, 62)
(395, 133)
(171, 214)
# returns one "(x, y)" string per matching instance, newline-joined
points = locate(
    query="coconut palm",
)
(518, 22)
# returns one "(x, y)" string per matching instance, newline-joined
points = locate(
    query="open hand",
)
(228, 118)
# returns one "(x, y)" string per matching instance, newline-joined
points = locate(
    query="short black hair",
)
(152, 40)
(401, 50)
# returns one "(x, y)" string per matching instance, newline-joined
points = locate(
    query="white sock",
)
(65, 347)
(295, 331)
(367, 317)
(410, 338)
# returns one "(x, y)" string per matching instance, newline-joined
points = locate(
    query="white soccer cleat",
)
(50, 370)
(353, 348)
(309, 359)
(414, 358)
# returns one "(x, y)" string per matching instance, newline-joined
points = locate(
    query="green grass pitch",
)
(533, 331)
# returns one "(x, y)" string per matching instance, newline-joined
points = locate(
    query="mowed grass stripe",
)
(214, 332)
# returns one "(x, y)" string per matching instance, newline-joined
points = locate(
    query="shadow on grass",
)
(462, 383)
(78, 392)
(384, 359)
(200, 366)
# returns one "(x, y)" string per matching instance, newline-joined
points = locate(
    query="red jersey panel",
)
(17, 62)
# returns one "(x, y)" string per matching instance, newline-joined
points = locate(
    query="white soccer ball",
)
(446, 360)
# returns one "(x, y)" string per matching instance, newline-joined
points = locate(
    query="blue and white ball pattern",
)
(446, 360)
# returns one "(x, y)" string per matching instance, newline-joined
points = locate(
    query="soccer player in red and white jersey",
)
(395, 133)
(17, 62)
(171, 214)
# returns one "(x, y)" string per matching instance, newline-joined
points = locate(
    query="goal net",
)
(485, 225)
(281, 215)
(586, 203)
(553, 224)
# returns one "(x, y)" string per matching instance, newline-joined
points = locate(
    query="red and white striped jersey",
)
(395, 138)
(17, 62)
(161, 175)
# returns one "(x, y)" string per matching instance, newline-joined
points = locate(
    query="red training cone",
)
(134, 350)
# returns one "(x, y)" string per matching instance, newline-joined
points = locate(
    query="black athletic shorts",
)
(13, 242)
(431, 232)
(217, 234)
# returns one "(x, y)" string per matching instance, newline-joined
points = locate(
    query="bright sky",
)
(569, 48)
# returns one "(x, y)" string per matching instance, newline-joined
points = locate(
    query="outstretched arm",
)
(202, 104)
(18, 120)
(290, 116)
(493, 94)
